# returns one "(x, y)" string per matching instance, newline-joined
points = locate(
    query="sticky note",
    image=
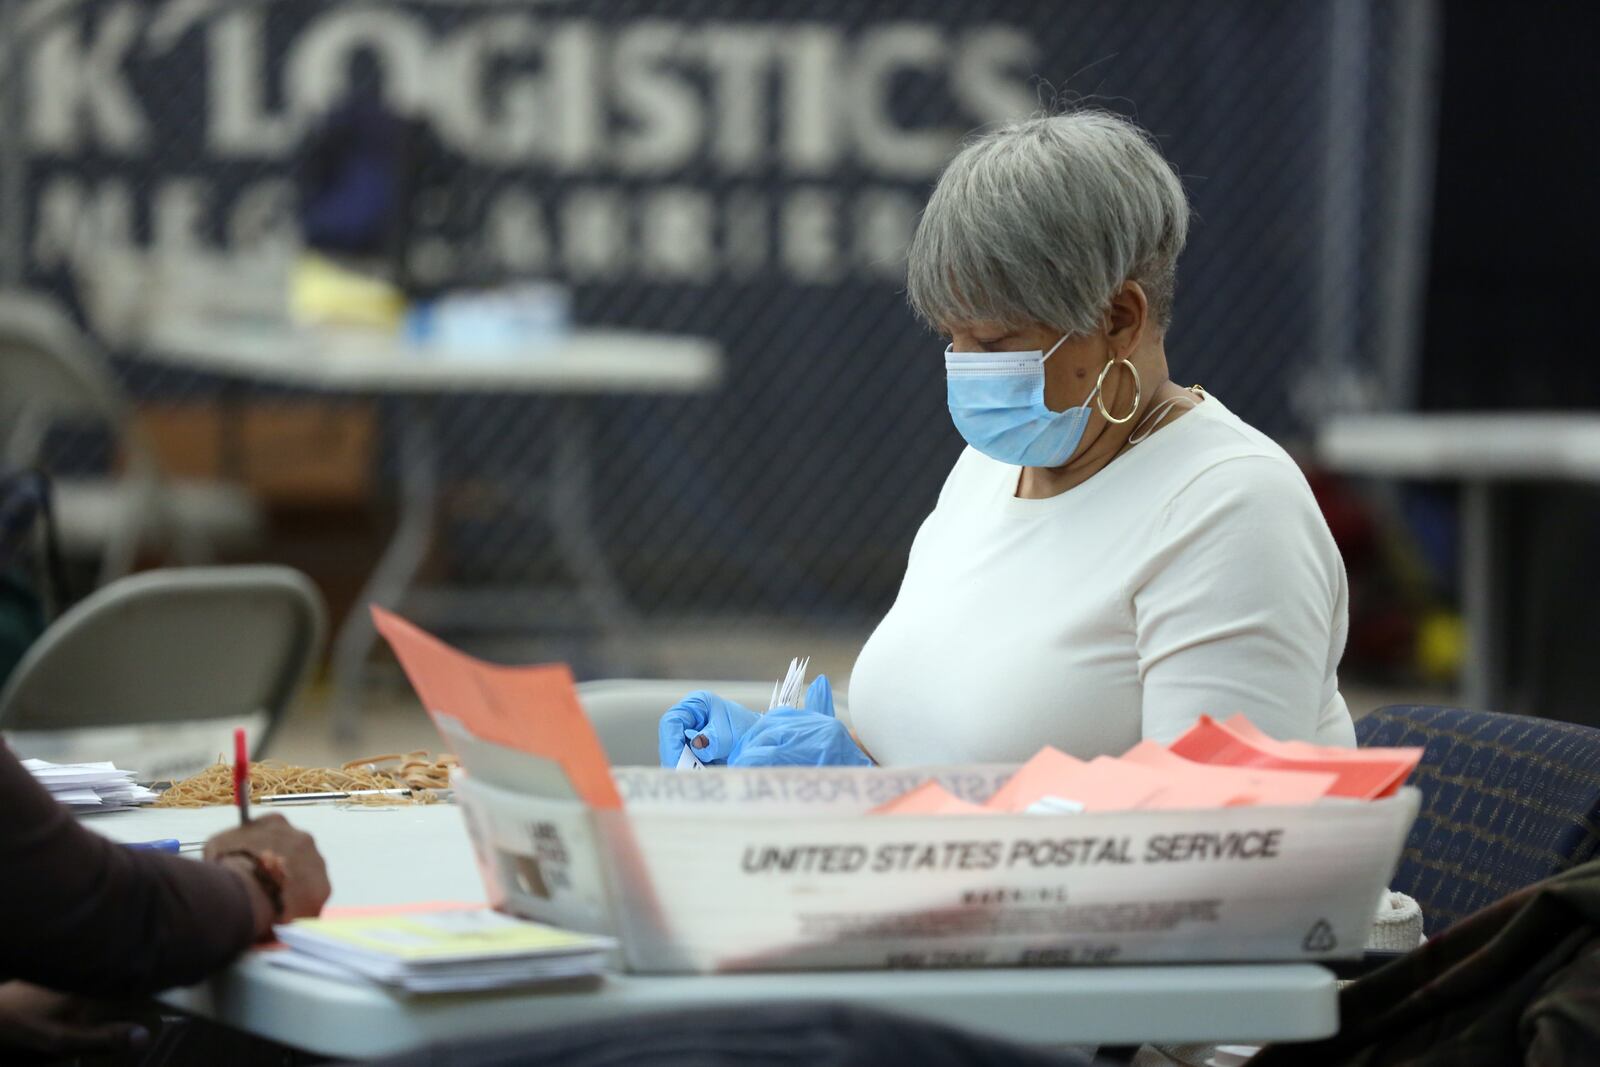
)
(532, 709)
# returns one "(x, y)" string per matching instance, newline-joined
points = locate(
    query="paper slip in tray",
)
(440, 950)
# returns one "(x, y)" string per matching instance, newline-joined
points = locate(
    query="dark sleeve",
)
(86, 915)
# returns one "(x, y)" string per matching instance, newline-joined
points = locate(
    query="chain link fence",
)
(749, 173)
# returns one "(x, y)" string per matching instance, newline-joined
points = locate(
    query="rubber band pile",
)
(423, 774)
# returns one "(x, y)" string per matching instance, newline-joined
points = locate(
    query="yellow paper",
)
(439, 936)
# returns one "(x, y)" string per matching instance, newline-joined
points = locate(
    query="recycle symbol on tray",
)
(1320, 937)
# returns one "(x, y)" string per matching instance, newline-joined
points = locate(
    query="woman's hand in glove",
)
(800, 737)
(703, 715)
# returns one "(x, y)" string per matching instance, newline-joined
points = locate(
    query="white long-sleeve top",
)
(1193, 574)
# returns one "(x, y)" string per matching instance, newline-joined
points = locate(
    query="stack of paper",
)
(89, 786)
(791, 690)
(440, 949)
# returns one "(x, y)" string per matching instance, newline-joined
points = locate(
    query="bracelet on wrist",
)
(268, 871)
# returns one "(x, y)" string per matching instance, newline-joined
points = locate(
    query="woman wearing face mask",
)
(1113, 555)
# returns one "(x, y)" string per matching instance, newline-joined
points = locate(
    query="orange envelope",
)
(1363, 773)
(1034, 779)
(1182, 790)
(532, 709)
(1239, 724)
(1102, 784)
(362, 911)
(929, 798)
(1245, 785)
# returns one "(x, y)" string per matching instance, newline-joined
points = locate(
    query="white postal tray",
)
(736, 869)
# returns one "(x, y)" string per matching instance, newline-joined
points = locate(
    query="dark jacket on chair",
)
(1518, 982)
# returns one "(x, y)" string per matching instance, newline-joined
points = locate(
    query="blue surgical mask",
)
(997, 402)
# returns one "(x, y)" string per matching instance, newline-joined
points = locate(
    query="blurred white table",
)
(1479, 451)
(398, 855)
(586, 363)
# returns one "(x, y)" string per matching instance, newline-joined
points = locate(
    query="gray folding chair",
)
(51, 372)
(626, 711)
(166, 662)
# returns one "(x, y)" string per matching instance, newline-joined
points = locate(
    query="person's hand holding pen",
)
(280, 865)
(267, 851)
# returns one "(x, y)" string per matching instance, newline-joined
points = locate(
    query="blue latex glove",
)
(800, 737)
(721, 721)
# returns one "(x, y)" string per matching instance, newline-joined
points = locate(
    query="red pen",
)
(241, 776)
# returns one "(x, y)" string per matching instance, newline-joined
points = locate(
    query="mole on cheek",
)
(1081, 373)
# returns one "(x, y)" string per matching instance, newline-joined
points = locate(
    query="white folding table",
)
(1479, 451)
(414, 854)
(586, 363)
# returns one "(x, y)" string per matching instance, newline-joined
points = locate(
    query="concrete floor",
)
(393, 720)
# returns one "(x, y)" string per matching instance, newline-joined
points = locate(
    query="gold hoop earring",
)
(1100, 396)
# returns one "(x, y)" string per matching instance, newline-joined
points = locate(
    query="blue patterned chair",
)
(1506, 801)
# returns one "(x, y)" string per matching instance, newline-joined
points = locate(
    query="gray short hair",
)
(1043, 220)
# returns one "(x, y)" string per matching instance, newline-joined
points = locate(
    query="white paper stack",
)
(89, 786)
(791, 691)
(449, 951)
